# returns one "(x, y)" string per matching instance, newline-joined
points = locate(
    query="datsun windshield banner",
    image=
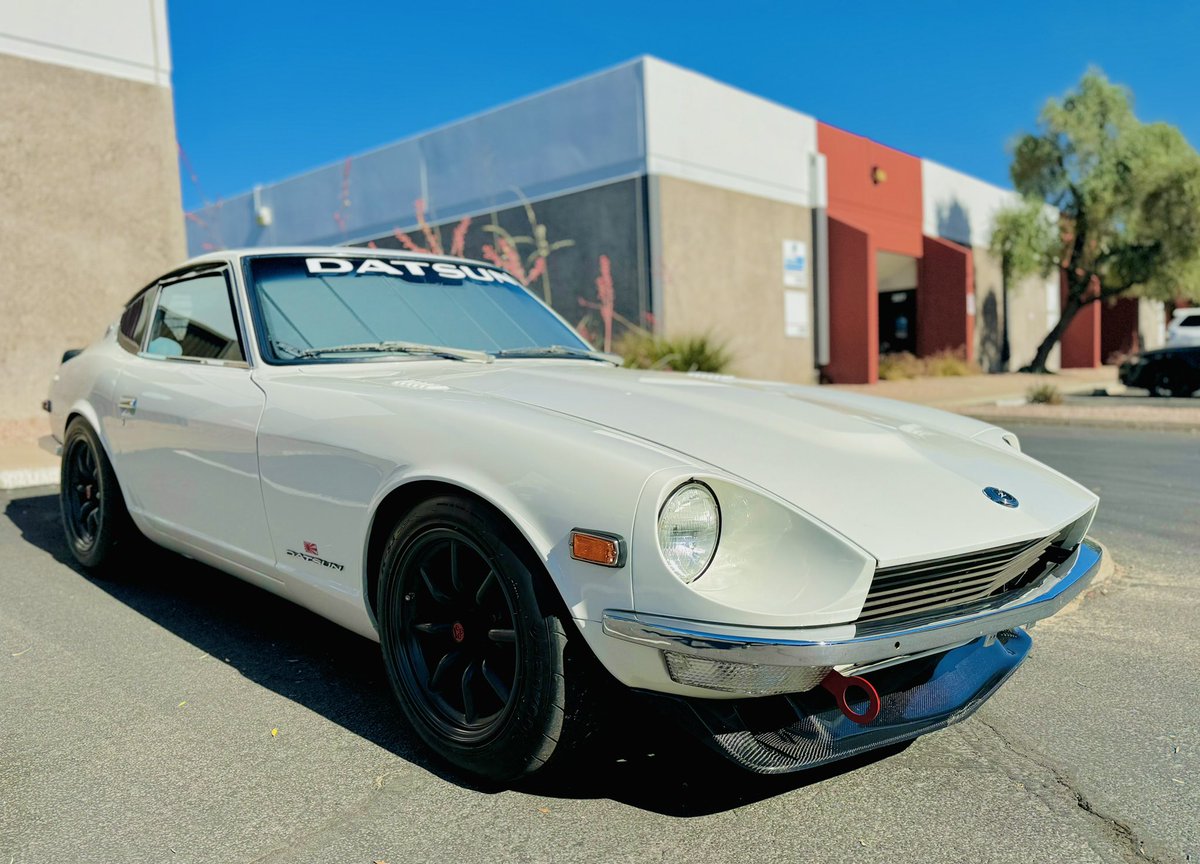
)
(403, 267)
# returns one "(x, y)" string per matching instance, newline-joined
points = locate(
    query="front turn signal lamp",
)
(598, 547)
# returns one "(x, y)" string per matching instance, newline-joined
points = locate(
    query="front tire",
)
(95, 520)
(1170, 382)
(475, 652)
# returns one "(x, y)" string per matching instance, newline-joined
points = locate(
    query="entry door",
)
(185, 437)
(898, 322)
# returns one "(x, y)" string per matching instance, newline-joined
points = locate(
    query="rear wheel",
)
(94, 517)
(474, 647)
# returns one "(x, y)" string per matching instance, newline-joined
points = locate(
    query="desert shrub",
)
(1043, 394)
(950, 364)
(897, 367)
(943, 364)
(700, 353)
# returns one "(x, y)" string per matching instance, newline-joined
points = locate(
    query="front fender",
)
(324, 478)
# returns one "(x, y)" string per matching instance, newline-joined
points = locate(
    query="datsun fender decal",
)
(310, 555)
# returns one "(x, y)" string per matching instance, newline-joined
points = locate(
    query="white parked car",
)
(420, 450)
(1184, 329)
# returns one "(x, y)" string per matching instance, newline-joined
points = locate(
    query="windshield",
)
(323, 309)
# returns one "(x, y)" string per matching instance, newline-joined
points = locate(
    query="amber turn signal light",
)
(596, 547)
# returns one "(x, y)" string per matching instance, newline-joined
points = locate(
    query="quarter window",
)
(133, 323)
(194, 319)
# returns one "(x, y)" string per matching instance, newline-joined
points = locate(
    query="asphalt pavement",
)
(179, 715)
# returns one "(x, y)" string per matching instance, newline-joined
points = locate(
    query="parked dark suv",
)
(1166, 372)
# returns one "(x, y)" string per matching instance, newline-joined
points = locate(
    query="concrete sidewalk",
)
(1000, 399)
(968, 390)
(1112, 416)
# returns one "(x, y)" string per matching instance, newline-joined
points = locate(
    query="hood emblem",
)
(1004, 499)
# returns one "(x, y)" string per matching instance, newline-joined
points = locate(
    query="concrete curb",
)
(968, 403)
(24, 478)
(1095, 422)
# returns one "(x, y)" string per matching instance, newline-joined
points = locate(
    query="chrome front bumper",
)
(781, 734)
(825, 647)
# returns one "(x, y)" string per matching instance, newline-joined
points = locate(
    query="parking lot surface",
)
(176, 714)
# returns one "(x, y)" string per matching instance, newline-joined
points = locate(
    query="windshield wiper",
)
(392, 347)
(560, 351)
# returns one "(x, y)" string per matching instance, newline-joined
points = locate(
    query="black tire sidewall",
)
(527, 735)
(113, 514)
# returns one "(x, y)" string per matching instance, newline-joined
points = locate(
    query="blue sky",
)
(264, 90)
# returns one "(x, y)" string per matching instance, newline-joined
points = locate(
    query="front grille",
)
(961, 583)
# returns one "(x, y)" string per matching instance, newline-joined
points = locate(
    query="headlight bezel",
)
(691, 482)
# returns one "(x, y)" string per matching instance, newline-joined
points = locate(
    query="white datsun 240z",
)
(418, 449)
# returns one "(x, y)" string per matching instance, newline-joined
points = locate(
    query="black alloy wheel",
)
(1171, 382)
(82, 505)
(94, 517)
(459, 631)
(1164, 383)
(474, 640)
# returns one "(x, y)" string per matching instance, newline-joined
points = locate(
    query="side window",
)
(1190, 321)
(133, 323)
(194, 318)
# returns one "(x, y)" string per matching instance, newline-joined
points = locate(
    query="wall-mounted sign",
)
(795, 314)
(795, 264)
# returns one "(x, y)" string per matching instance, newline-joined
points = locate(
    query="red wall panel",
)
(1081, 341)
(853, 306)
(889, 210)
(946, 277)
(1118, 328)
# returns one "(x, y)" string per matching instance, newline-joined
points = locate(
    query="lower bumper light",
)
(746, 678)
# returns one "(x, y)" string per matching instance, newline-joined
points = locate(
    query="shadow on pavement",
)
(642, 762)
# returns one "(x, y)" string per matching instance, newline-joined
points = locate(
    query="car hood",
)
(902, 481)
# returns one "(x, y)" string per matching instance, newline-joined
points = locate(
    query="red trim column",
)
(946, 299)
(853, 306)
(1081, 340)
(1118, 328)
(874, 187)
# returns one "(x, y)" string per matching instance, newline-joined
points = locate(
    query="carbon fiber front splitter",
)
(780, 734)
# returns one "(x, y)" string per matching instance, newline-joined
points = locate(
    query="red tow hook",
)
(838, 684)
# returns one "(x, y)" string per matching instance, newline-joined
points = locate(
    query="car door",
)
(184, 439)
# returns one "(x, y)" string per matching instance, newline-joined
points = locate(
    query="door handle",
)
(127, 406)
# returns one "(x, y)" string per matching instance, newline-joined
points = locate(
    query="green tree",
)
(1128, 200)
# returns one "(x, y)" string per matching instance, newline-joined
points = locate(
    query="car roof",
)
(326, 252)
(1186, 311)
(1171, 351)
(224, 256)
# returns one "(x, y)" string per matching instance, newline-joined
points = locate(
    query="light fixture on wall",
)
(262, 212)
(878, 175)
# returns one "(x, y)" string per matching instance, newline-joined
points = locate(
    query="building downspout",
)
(820, 254)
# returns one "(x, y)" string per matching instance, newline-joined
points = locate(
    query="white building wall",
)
(123, 38)
(960, 207)
(1152, 323)
(702, 130)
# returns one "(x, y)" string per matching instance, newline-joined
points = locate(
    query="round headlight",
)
(689, 527)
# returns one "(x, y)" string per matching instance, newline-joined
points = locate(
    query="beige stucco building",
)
(701, 209)
(89, 184)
